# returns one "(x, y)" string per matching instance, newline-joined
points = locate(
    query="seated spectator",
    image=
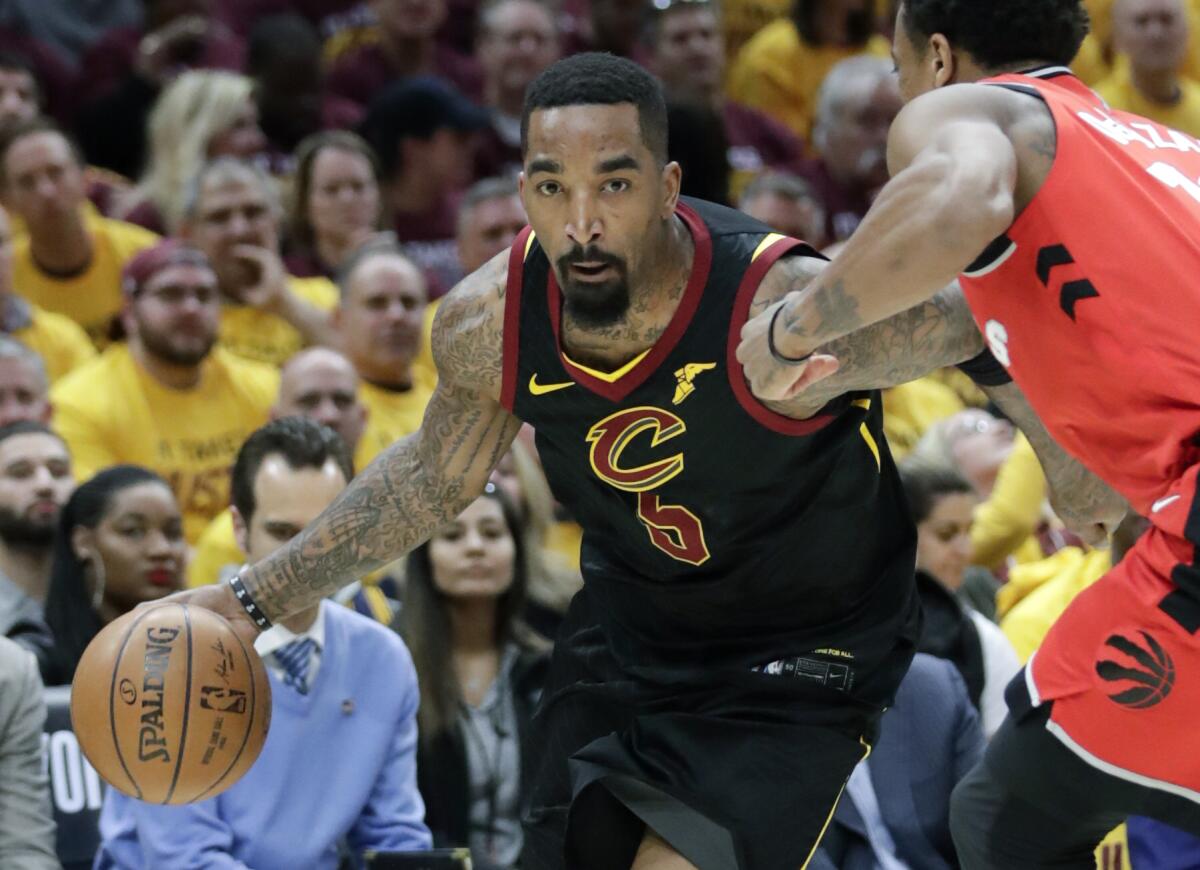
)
(168, 398)
(134, 66)
(336, 203)
(339, 761)
(855, 108)
(1152, 37)
(35, 482)
(400, 44)
(70, 262)
(55, 77)
(284, 59)
(781, 68)
(24, 386)
(20, 96)
(421, 129)
(319, 384)
(59, 341)
(200, 116)
(897, 802)
(617, 27)
(232, 213)
(942, 503)
(787, 204)
(21, 102)
(119, 544)
(379, 324)
(26, 823)
(689, 58)
(464, 590)
(517, 39)
(490, 216)
(174, 35)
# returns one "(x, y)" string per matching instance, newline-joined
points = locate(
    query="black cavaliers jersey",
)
(715, 530)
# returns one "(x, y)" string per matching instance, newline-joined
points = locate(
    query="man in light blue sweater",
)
(339, 764)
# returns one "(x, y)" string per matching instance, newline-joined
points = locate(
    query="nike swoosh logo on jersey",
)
(1163, 502)
(537, 389)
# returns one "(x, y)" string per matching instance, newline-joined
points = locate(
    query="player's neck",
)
(62, 246)
(655, 296)
(472, 625)
(171, 375)
(28, 566)
(1157, 86)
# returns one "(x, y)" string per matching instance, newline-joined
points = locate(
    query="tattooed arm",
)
(935, 333)
(1088, 506)
(416, 485)
(954, 189)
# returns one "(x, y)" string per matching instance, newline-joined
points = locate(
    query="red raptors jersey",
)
(1091, 300)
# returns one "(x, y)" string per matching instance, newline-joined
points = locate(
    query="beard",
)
(18, 530)
(166, 349)
(594, 303)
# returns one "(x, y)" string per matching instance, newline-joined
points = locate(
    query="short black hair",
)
(304, 443)
(27, 427)
(997, 35)
(596, 78)
(926, 482)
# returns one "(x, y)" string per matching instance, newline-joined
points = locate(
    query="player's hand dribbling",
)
(220, 599)
(1090, 508)
(770, 379)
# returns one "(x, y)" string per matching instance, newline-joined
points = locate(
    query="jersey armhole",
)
(759, 266)
(512, 317)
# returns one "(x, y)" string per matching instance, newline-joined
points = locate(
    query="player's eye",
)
(615, 185)
(549, 188)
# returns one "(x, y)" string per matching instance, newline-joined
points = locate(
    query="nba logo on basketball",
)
(1143, 676)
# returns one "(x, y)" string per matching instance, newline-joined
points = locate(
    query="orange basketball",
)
(169, 705)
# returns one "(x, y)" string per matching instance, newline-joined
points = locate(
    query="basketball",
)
(170, 705)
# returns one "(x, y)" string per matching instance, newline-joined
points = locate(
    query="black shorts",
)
(736, 770)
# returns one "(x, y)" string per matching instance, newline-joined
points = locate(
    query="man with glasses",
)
(167, 399)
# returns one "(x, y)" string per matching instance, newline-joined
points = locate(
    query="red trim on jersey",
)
(737, 380)
(512, 319)
(617, 390)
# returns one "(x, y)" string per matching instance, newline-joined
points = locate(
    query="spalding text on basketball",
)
(152, 745)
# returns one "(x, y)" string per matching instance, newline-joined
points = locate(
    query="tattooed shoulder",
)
(468, 331)
(787, 275)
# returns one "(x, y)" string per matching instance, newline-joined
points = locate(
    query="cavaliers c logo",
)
(672, 528)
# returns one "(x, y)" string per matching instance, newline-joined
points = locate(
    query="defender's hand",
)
(770, 379)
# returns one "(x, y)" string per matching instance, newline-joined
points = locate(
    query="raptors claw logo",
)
(1147, 683)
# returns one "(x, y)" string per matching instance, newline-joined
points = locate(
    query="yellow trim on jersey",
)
(833, 809)
(865, 404)
(870, 439)
(529, 244)
(768, 240)
(609, 377)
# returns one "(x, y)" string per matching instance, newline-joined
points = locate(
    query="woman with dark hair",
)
(480, 673)
(942, 503)
(120, 543)
(336, 203)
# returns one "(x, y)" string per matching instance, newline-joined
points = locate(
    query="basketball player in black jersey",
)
(748, 607)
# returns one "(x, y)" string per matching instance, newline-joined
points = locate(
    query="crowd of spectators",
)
(225, 226)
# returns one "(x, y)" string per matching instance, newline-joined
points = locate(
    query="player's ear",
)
(942, 61)
(672, 181)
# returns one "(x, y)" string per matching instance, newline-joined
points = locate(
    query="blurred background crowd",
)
(224, 231)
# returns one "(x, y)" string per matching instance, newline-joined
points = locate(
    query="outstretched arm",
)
(1087, 505)
(935, 333)
(952, 192)
(417, 484)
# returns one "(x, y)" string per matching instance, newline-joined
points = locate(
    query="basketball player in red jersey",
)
(1075, 231)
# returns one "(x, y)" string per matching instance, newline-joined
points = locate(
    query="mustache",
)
(580, 254)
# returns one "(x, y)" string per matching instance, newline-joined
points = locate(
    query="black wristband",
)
(985, 370)
(775, 354)
(243, 596)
